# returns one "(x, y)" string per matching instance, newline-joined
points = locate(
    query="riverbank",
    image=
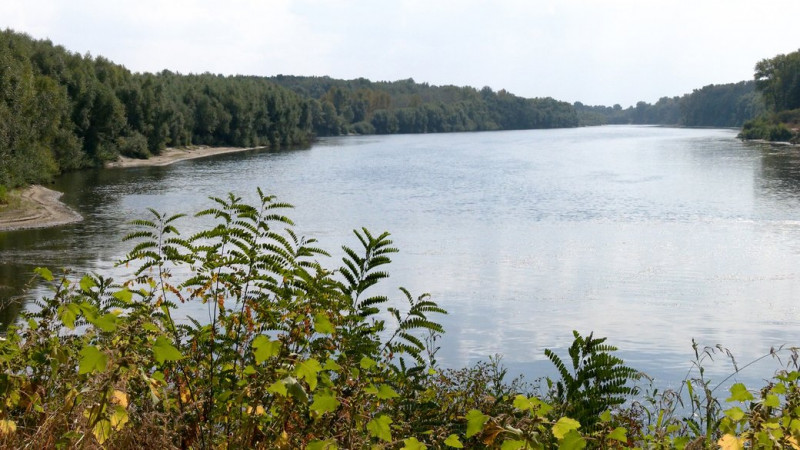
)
(36, 207)
(173, 155)
(39, 207)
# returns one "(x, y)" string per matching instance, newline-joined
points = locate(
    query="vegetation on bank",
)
(292, 354)
(62, 111)
(778, 81)
(724, 105)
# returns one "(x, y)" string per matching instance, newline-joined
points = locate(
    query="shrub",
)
(294, 355)
(133, 146)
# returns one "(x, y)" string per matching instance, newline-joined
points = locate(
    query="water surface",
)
(651, 236)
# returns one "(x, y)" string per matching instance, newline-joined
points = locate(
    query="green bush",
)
(363, 128)
(293, 355)
(773, 130)
(133, 146)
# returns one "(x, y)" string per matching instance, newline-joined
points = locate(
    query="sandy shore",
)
(36, 207)
(172, 155)
(39, 207)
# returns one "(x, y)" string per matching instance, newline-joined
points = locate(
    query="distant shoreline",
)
(173, 155)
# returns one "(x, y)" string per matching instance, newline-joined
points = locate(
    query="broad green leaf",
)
(619, 434)
(367, 363)
(264, 348)
(68, 313)
(564, 426)
(106, 322)
(772, 400)
(542, 408)
(605, 417)
(87, 283)
(330, 444)
(779, 389)
(322, 324)
(386, 392)
(102, 431)
(89, 311)
(475, 422)
(163, 350)
(324, 403)
(278, 387)
(522, 403)
(44, 272)
(572, 441)
(413, 444)
(736, 414)
(739, 393)
(453, 441)
(331, 365)
(308, 371)
(379, 428)
(92, 359)
(123, 295)
(512, 445)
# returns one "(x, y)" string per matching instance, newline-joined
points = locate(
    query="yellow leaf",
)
(185, 395)
(119, 418)
(120, 398)
(564, 426)
(102, 431)
(730, 442)
(7, 426)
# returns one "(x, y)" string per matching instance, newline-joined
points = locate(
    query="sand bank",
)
(172, 155)
(36, 207)
(39, 207)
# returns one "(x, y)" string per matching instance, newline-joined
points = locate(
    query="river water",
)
(650, 236)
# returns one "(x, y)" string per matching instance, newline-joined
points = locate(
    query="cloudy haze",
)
(596, 52)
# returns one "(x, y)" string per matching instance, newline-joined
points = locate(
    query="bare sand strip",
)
(39, 207)
(173, 155)
(36, 207)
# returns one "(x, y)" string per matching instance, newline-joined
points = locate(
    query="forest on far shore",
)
(63, 111)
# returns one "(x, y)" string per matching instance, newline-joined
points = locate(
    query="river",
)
(650, 236)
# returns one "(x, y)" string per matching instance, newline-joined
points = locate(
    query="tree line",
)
(362, 106)
(778, 81)
(722, 105)
(61, 110)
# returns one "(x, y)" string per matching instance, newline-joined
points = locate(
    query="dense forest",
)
(365, 107)
(778, 81)
(724, 105)
(62, 111)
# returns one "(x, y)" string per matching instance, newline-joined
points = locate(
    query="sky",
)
(599, 52)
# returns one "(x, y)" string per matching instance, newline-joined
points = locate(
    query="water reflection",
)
(650, 236)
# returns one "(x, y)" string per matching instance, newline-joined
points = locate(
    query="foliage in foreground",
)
(292, 355)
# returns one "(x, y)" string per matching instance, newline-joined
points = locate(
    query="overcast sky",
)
(593, 51)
